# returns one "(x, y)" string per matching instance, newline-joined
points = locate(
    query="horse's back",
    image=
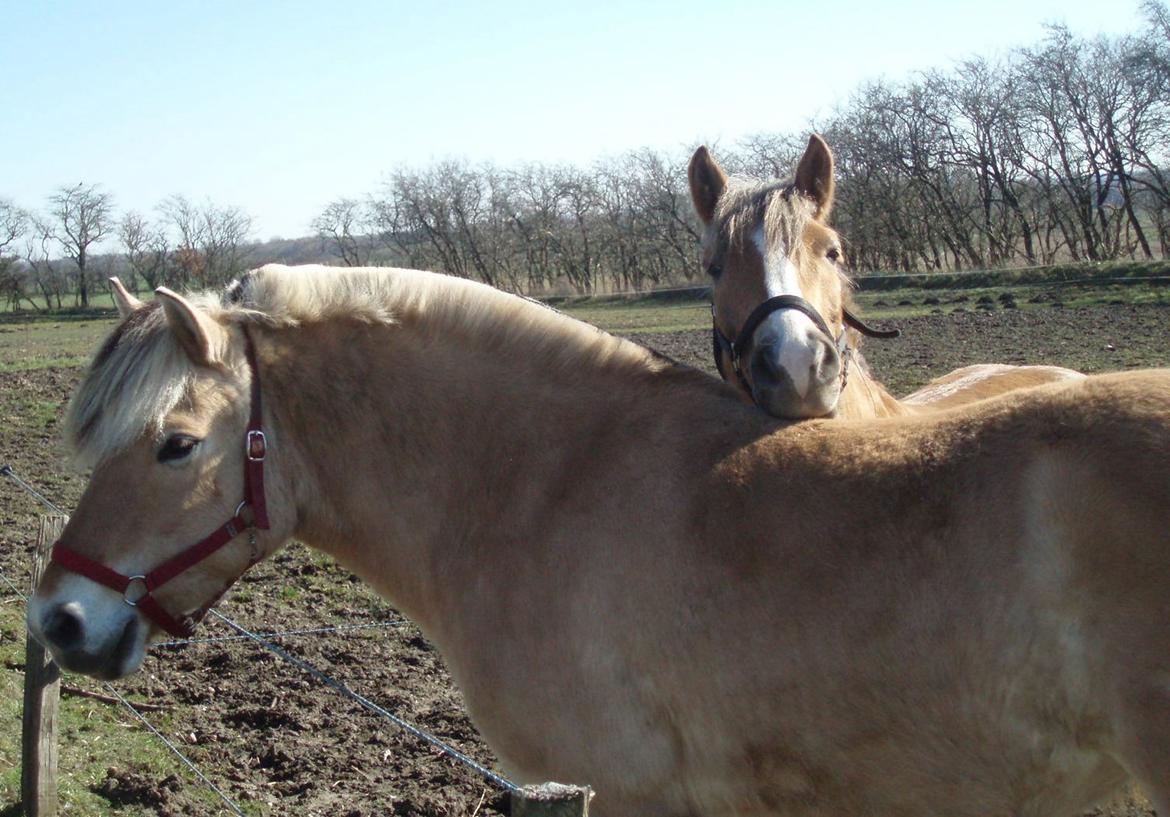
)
(980, 589)
(1109, 499)
(983, 380)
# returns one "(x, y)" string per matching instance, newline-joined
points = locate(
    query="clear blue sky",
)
(280, 107)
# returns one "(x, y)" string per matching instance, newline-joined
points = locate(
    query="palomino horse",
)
(639, 582)
(784, 331)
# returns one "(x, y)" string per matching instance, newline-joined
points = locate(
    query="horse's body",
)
(769, 243)
(866, 398)
(644, 585)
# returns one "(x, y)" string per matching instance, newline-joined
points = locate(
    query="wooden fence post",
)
(552, 800)
(42, 683)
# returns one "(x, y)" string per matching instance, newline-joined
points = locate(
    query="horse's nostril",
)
(63, 627)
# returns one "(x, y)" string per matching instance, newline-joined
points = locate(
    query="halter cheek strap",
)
(137, 590)
(735, 349)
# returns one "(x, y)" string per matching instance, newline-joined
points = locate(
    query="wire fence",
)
(186, 761)
(266, 641)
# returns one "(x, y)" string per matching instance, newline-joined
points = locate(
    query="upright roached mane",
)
(141, 373)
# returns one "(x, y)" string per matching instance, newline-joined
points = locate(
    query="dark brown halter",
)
(736, 349)
(136, 590)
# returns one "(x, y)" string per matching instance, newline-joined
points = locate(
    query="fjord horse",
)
(639, 582)
(783, 327)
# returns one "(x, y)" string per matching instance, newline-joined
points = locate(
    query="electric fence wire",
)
(142, 718)
(321, 676)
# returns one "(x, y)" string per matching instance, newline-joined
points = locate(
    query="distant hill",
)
(306, 250)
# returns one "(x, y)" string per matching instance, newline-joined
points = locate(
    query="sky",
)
(281, 107)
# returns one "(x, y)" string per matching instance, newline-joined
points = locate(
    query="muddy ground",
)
(280, 743)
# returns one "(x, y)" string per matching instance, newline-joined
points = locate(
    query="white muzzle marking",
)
(792, 332)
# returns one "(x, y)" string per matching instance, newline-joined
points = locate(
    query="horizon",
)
(243, 106)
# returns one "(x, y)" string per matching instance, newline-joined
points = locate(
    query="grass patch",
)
(1089, 273)
(902, 296)
(94, 737)
(28, 345)
(913, 301)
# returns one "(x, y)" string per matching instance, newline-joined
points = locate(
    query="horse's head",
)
(778, 295)
(163, 416)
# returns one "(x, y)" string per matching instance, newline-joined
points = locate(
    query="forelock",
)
(136, 379)
(749, 204)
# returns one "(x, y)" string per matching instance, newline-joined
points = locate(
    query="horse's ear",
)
(814, 175)
(707, 183)
(197, 334)
(125, 302)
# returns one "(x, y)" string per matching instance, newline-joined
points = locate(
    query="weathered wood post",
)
(42, 686)
(552, 800)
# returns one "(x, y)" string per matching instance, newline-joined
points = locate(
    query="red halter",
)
(136, 590)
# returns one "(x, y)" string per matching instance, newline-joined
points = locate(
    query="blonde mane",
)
(140, 374)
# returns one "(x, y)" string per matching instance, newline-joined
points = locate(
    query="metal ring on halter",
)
(141, 579)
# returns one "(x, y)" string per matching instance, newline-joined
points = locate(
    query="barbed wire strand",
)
(15, 589)
(142, 718)
(194, 769)
(6, 471)
(339, 628)
(321, 676)
(338, 686)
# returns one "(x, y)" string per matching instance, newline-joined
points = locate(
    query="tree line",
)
(50, 254)
(1055, 152)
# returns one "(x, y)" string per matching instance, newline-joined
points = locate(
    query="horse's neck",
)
(863, 397)
(416, 455)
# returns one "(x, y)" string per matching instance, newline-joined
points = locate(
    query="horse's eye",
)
(834, 254)
(176, 447)
(715, 270)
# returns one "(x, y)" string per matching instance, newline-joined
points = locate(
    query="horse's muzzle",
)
(62, 629)
(796, 380)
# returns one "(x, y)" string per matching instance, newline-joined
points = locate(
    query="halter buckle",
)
(256, 445)
(140, 581)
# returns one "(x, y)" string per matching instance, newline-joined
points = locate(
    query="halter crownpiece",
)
(137, 590)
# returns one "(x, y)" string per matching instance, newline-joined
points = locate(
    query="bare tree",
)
(46, 273)
(226, 231)
(83, 217)
(13, 223)
(187, 260)
(345, 226)
(1051, 153)
(146, 249)
(209, 241)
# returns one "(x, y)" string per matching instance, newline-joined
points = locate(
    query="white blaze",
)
(792, 332)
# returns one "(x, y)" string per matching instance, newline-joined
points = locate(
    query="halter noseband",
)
(136, 590)
(736, 348)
